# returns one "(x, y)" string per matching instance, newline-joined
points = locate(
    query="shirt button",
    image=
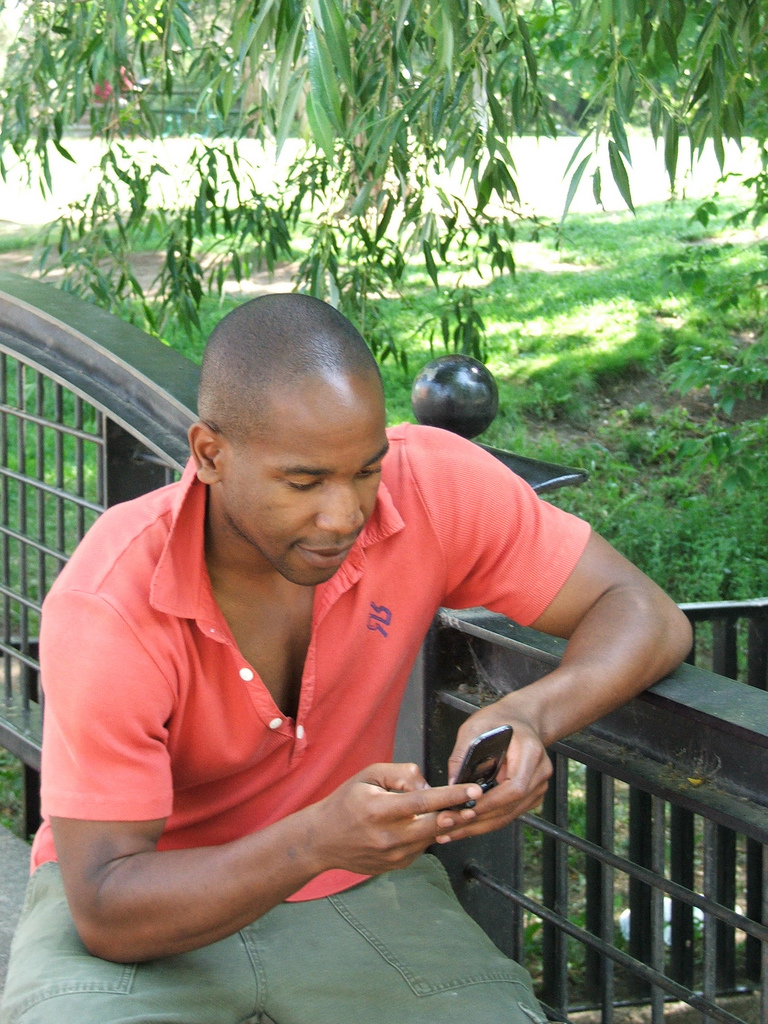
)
(246, 674)
(275, 723)
(299, 732)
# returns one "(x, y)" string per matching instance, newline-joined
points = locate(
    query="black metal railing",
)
(641, 880)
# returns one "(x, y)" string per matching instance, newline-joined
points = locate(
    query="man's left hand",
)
(522, 779)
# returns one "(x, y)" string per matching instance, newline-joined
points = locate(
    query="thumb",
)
(455, 762)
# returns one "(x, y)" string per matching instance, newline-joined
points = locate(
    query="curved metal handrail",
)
(140, 383)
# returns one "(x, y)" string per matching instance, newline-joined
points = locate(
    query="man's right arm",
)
(130, 901)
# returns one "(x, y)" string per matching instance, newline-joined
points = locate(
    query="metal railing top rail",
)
(704, 610)
(696, 738)
(542, 476)
(145, 386)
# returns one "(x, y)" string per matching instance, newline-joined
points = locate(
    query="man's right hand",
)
(384, 817)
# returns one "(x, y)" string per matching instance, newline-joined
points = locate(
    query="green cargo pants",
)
(397, 949)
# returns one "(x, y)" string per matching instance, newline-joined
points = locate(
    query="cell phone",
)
(484, 758)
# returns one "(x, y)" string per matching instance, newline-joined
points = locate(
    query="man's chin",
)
(308, 576)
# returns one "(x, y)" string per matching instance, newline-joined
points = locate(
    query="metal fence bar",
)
(757, 676)
(658, 837)
(41, 582)
(724, 647)
(555, 889)
(43, 549)
(102, 425)
(608, 987)
(517, 872)
(26, 659)
(16, 596)
(757, 652)
(755, 871)
(58, 461)
(22, 582)
(80, 485)
(711, 935)
(640, 852)
(726, 894)
(4, 545)
(681, 870)
(38, 418)
(599, 885)
(725, 663)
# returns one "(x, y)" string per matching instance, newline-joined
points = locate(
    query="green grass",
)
(10, 792)
(13, 236)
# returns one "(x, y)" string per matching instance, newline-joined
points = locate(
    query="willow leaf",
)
(620, 176)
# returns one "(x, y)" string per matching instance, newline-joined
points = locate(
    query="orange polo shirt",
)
(152, 711)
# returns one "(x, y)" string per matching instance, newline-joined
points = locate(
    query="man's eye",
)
(302, 487)
(372, 471)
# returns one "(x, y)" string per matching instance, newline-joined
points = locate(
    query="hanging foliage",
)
(406, 114)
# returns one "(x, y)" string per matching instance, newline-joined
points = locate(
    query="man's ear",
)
(208, 449)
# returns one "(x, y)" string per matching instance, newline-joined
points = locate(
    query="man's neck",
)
(270, 619)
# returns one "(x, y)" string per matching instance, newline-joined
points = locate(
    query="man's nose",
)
(340, 512)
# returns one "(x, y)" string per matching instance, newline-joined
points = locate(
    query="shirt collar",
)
(181, 585)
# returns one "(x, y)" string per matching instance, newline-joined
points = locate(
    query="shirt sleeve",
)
(505, 548)
(105, 755)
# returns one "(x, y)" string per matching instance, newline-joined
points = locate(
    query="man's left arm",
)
(624, 633)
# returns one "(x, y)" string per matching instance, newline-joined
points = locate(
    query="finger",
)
(447, 820)
(395, 778)
(511, 792)
(424, 802)
(492, 820)
(504, 803)
(477, 724)
(526, 767)
(397, 838)
(528, 759)
(455, 762)
(463, 739)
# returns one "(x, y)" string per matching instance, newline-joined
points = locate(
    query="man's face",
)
(293, 498)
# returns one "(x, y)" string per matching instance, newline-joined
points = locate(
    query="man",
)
(223, 662)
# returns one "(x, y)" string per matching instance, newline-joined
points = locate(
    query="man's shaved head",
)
(274, 343)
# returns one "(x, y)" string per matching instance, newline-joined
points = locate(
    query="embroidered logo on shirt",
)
(379, 618)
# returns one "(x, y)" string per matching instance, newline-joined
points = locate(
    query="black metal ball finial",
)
(457, 393)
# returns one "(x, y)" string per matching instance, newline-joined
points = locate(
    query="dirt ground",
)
(746, 1007)
(147, 265)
